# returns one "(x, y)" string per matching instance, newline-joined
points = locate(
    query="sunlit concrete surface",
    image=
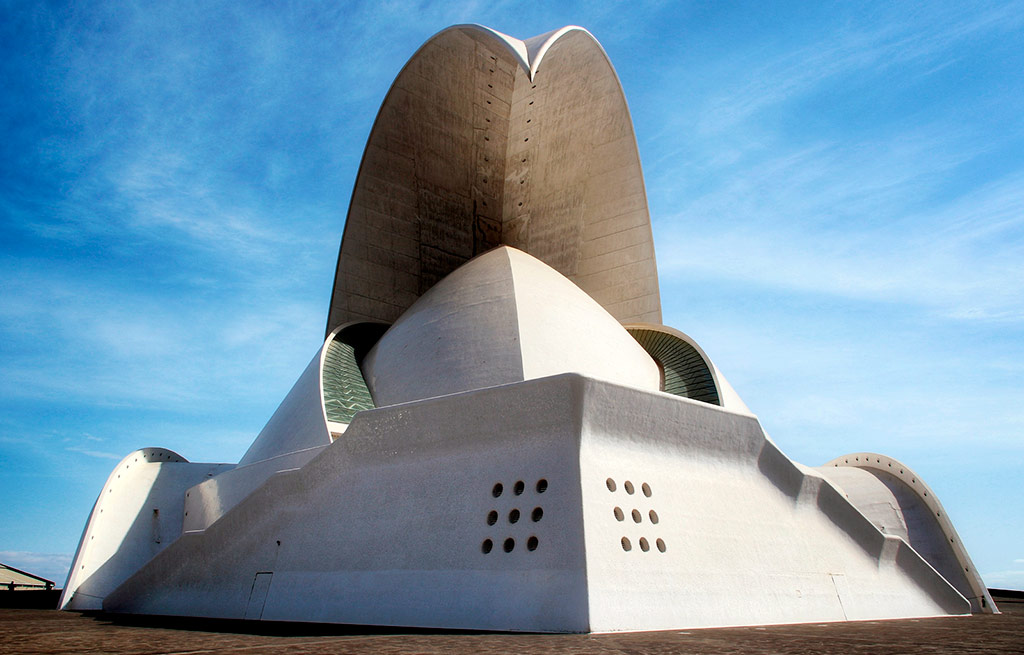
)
(497, 432)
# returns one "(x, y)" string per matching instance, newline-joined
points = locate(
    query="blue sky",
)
(836, 190)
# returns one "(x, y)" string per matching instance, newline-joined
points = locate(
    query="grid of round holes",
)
(635, 515)
(514, 516)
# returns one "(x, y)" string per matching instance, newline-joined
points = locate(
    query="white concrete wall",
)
(748, 537)
(387, 525)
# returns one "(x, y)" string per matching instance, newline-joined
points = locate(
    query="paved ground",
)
(26, 632)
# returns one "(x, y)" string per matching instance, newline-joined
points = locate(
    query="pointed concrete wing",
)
(486, 140)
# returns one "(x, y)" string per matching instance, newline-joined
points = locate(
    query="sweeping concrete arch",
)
(486, 140)
(899, 503)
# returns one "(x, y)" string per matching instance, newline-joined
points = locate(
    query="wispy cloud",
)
(94, 453)
(52, 566)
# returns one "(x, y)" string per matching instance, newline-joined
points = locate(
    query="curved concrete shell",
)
(486, 140)
(899, 503)
(502, 317)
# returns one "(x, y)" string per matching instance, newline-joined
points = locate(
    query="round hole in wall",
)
(618, 514)
(513, 516)
(531, 543)
(487, 138)
(531, 102)
(518, 487)
(644, 546)
(628, 486)
(626, 546)
(542, 485)
(520, 204)
(488, 102)
(637, 517)
(486, 546)
(610, 484)
(510, 543)
(529, 120)
(646, 488)
(496, 491)
(526, 139)
(490, 86)
(492, 517)
(537, 514)
(660, 544)
(653, 515)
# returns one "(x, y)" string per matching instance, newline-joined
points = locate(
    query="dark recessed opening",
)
(537, 514)
(531, 543)
(486, 546)
(492, 517)
(542, 485)
(513, 516)
(519, 487)
(510, 543)
(497, 490)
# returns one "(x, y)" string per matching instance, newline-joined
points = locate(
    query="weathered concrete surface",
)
(25, 632)
(470, 151)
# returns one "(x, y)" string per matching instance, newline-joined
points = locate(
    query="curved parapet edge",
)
(980, 598)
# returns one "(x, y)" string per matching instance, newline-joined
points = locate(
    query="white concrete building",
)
(497, 432)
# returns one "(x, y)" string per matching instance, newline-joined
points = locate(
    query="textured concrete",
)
(27, 632)
(472, 150)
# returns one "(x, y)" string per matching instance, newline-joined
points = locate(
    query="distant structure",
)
(12, 579)
(498, 433)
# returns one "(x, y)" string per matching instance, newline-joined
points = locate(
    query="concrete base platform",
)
(49, 631)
